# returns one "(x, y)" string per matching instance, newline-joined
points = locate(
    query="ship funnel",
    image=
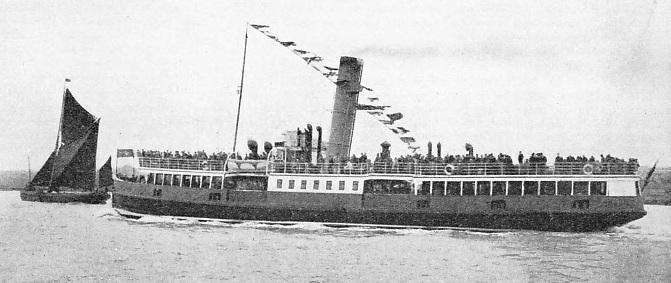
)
(344, 107)
(430, 148)
(308, 144)
(319, 144)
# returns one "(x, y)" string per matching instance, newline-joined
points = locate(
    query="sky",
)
(568, 77)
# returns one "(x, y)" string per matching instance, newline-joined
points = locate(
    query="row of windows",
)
(191, 181)
(547, 188)
(315, 185)
(435, 188)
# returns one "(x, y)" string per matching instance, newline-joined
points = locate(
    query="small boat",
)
(69, 174)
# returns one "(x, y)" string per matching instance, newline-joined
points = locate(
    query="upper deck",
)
(392, 168)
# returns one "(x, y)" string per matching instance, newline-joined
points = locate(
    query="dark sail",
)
(73, 162)
(43, 177)
(76, 120)
(105, 174)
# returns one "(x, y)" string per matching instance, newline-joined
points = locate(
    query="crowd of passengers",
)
(198, 155)
(536, 161)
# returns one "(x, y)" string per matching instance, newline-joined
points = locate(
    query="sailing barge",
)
(293, 183)
(69, 174)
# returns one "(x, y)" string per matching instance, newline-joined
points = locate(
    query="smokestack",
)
(344, 107)
(438, 150)
(319, 143)
(430, 147)
(308, 143)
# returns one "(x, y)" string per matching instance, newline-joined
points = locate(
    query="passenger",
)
(559, 158)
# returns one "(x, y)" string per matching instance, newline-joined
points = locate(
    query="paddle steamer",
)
(293, 183)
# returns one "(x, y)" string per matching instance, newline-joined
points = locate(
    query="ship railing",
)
(559, 168)
(446, 169)
(181, 164)
(247, 166)
(411, 168)
(319, 168)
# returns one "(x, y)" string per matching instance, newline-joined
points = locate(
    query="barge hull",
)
(83, 197)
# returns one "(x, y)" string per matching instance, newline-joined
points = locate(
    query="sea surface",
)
(43, 242)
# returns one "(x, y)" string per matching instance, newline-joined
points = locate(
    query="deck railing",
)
(182, 164)
(429, 169)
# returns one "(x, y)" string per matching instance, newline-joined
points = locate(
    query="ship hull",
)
(138, 198)
(65, 197)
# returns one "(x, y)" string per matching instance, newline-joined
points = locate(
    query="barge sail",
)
(292, 180)
(69, 174)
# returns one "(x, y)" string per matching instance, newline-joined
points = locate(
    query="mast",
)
(242, 81)
(30, 174)
(60, 126)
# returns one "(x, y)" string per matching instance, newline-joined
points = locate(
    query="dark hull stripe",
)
(560, 221)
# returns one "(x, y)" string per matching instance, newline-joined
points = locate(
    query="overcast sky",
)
(568, 77)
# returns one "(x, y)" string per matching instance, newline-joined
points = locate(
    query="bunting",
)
(373, 107)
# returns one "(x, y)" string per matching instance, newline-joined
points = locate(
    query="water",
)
(78, 242)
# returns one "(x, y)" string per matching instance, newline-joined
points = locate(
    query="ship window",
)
(453, 188)
(216, 182)
(483, 188)
(514, 188)
(186, 181)
(530, 188)
(355, 185)
(438, 188)
(400, 187)
(387, 187)
(206, 182)
(196, 182)
(304, 184)
(315, 185)
(580, 188)
(426, 188)
(279, 183)
(250, 185)
(329, 184)
(176, 179)
(159, 179)
(468, 188)
(291, 184)
(499, 188)
(548, 188)
(597, 188)
(564, 188)
(150, 178)
(166, 179)
(341, 185)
